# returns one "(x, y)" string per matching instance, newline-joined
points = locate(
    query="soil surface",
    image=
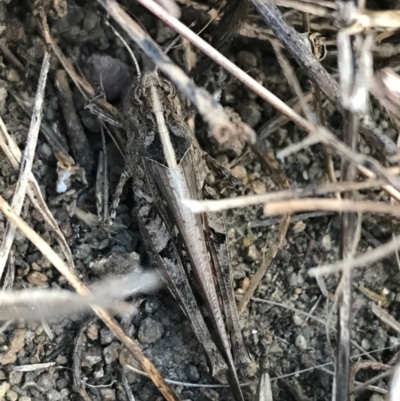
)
(289, 326)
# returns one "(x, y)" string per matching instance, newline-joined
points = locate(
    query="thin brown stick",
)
(251, 200)
(27, 162)
(363, 365)
(80, 146)
(385, 317)
(345, 205)
(268, 258)
(76, 283)
(359, 261)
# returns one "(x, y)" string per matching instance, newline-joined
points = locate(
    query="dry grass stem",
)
(345, 205)
(358, 261)
(76, 283)
(26, 163)
(251, 200)
(359, 365)
(395, 384)
(385, 317)
(267, 259)
(14, 156)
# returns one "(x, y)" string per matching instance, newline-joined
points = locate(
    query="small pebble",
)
(152, 304)
(246, 242)
(12, 396)
(246, 59)
(92, 332)
(111, 353)
(108, 394)
(259, 187)
(4, 387)
(299, 227)
(326, 242)
(240, 173)
(253, 253)
(150, 331)
(89, 360)
(298, 320)
(192, 373)
(366, 344)
(46, 381)
(12, 75)
(245, 283)
(301, 342)
(106, 336)
(38, 279)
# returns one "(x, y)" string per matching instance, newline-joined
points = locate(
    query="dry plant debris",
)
(286, 127)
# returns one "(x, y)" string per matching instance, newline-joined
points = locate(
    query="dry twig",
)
(26, 163)
(359, 261)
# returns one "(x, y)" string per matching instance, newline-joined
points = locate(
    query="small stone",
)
(83, 251)
(92, 332)
(192, 373)
(65, 394)
(15, 377)
(246, 59)
(377, 397)
(4, 387)
(106, 336)
(46, 381)
(326, 242)
(12, 75)
(299, 227)
(12, 396)
(111, 353)
(301, 342)
(259, 187)
(240, 173)
(366, 344)
(108, 394)
(98, 374)
(152, 304)
(150, 331)
(38, 279)
(246, 242)
(90, 359)
(298, 320)
(245, 283)
(66, 229)
(253, 253)
(53, 395)
(3, 97)
(16, 344)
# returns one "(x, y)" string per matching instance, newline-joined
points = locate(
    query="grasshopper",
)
(167, 165)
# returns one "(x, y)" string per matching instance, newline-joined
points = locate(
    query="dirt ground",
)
(289, 326)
